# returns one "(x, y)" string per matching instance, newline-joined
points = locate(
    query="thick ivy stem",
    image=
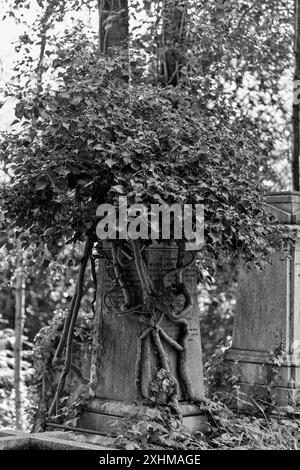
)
(178, 271)
(174, 400)
(182, 323)
(180, 262)
(72, 321)
(64, 334)
(170, 341)
(139, 362)
(95, 281)
(139, 263)
(188, 305)
(186, 381)
(182, 359)
(161, 352)
(68, 319)
(179, 280)
(121, 250)
(119, 276)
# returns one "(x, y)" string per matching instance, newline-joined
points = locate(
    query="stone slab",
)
(43, 441)
(262, 306)
(288, 202)
(14, 443)
(112, 425)
(121, 408)
(282, 216)
(107, 416)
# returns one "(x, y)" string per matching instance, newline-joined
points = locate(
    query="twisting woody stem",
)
(70, 324)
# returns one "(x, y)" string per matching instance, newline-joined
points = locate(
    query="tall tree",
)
(113, 24)
(174, 19)
(296, 104)
(19, 326)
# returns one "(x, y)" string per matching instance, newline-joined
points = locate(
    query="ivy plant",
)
(90, 137)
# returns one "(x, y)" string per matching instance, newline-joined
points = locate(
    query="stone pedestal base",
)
(261, 377)
(107, 416)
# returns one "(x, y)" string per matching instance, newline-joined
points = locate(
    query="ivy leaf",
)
(118, 188)
(41, 184)
(110, 162)
(213, 238)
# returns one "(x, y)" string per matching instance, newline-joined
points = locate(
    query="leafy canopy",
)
(94, 137)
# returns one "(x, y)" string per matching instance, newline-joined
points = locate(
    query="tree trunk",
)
(113, 25)
(173, 34)
(296, 104)
(19, 322)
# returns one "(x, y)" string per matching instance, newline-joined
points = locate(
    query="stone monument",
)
(266, 335)
(117, 337)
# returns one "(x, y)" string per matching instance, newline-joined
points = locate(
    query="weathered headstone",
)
(117, 337)
(267, 318)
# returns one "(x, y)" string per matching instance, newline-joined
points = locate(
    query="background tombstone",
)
(267, 318)
(117, 338)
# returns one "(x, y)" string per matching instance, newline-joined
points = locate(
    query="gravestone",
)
(267, 317)
(114, 360)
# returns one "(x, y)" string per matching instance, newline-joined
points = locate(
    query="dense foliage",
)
(7, 412)
(225, 430)
(95, 138)
(236, 58)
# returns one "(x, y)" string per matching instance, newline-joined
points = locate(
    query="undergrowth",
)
(226, 425)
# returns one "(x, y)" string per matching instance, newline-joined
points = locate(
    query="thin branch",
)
(246, 12)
